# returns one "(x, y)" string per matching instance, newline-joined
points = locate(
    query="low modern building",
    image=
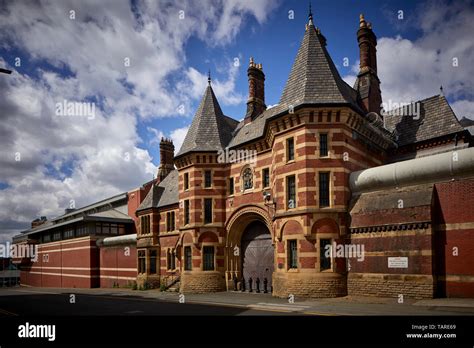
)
(323, 195)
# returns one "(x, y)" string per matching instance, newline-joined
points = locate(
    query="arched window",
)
(247, 178)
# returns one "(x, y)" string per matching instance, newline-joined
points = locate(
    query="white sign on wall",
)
(398, 262)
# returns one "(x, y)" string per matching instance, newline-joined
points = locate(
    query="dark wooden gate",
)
(257, 256)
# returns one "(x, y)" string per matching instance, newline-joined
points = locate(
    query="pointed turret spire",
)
(210, 130)
(310, 16)
(209, 77)
(314, 78)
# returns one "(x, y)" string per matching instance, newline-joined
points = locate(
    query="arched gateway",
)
(250, 250)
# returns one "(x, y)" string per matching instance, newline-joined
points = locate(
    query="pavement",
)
(129, 302)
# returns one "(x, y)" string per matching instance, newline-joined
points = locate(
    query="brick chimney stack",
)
(256, 102)
(368, 83)
(166, 158)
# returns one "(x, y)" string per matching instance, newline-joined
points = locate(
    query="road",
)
(21, 302)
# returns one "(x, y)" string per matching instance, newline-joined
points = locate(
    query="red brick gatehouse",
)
(255, 205)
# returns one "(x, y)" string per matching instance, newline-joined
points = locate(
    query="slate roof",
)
(163, 194)
(436, 119)
(313, 79)
(210, 130)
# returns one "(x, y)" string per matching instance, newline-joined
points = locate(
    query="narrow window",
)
(170, 260)
(145, 225)
(69, 233)
(188, 259)
(46, 238)
(141, 261)
(186, 181)
(208, 210)
(290, 149)
(152, 254)
(324, 254)
(292, 254)
(266, 177)
(208, 255)
(173, 260)
(113, 229)
(207, 179)
(323, 145)
(324, 189)
(170, 221)
(291, 192)
(231, 186)
(186, 212)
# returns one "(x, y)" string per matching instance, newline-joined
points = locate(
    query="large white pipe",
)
(118, 240)
(443, 166)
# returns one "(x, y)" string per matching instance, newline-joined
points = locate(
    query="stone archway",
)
(236, 227)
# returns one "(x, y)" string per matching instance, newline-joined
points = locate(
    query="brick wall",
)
(118, 265)
(70, 263)
(309, 284)
(202, 282)
(454, 238)
(391, 285)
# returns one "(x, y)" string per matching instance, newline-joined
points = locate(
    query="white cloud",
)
(410, 70)
(233, 14)
(196, 82)
(463, 108)
(157, 135)
(178, 135)
(72, 158)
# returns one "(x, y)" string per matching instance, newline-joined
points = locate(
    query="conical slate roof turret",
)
(314, 78)
(210, 130)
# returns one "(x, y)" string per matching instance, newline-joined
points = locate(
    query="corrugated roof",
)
(93, 205)
(110, 214)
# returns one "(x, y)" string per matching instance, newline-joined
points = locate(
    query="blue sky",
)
(76, 51)
(275, 44)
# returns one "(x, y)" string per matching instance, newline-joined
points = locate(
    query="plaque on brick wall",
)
(398, 262)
